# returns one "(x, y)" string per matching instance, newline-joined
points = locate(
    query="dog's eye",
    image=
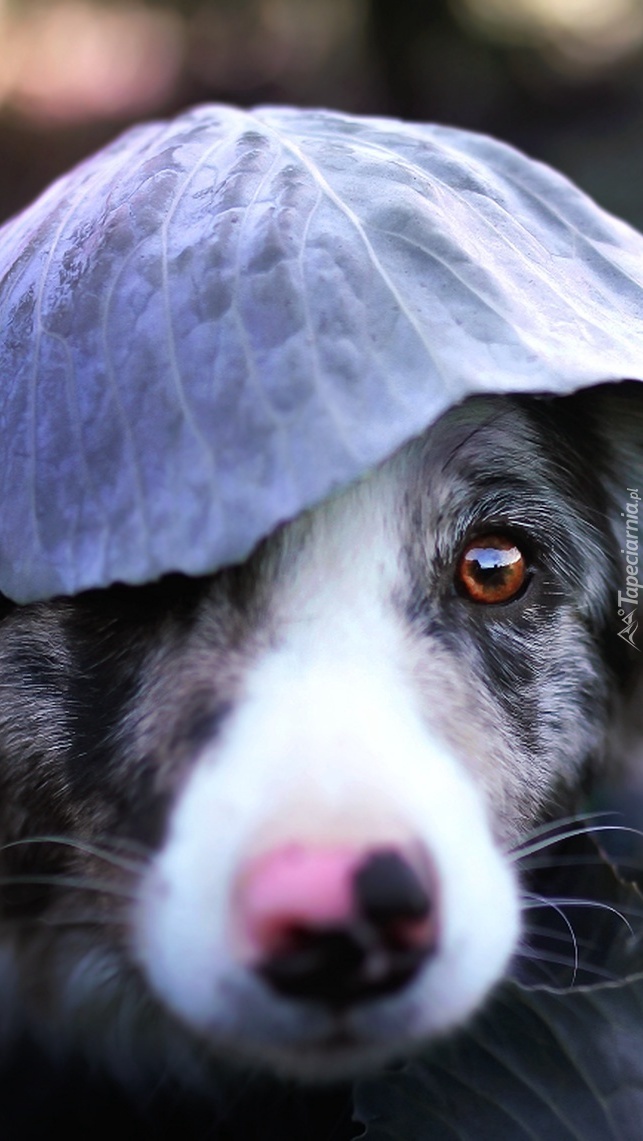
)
(491, 569)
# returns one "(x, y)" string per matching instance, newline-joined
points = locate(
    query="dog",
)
(273, 814)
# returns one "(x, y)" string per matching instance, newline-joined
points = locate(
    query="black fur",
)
(107, 698)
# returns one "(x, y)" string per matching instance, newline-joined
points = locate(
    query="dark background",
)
(563, 79)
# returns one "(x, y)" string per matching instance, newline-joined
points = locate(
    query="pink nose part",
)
(297, 888)
(337, 925)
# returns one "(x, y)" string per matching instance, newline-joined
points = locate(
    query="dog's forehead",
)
(481, 431)
(422, 485)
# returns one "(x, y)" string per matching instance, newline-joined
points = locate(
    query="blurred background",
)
(563, 79)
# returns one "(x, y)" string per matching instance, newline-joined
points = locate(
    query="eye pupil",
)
(491, 569)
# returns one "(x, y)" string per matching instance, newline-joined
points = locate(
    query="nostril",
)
(326, 965)
(337, 925)
(391, 896)
(386, 886)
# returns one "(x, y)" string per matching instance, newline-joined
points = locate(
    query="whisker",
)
(557, 907)
(582, 860)
(542, 901)
(547, 932)
(127, 842)
(621, 911)
(561, 821)
(537, 956)
(549, 841)
(81, 846)
(87, 919)
(81, 883)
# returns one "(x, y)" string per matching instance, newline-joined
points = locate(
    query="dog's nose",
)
(336, 925)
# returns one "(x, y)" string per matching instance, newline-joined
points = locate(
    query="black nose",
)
(376, 950)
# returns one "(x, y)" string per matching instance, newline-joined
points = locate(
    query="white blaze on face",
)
(329, 746)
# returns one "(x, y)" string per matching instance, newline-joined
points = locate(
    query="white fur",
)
(334, 741)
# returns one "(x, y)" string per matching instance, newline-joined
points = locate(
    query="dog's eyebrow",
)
(535, 510)
(514, 502)
(490, 421)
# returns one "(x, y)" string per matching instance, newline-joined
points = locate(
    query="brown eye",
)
(491, 569)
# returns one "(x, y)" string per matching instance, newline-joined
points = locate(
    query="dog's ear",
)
(615, 416)
(609, 418)
(616, 412)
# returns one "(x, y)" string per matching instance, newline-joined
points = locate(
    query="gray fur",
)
(106, 698)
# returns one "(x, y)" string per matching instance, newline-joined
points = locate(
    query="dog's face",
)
(280, 801)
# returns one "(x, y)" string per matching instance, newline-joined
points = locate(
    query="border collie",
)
(273, 814)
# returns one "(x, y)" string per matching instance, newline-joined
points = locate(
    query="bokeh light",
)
(70, 60)
(585, 34)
